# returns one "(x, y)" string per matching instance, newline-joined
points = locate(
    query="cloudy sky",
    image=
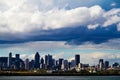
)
(62, 28)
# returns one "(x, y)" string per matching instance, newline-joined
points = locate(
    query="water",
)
(59, 77)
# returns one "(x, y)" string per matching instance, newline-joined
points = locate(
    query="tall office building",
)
(17, 56)
(60, 62)
(31, 65)
(56, 62)
(65, 65)
(48, 61)
(37, 61)
(53, 62)
(72, 65)
(101, 64)
(42, 63)
(116, 64)
(10, 60)
(27, 64)
(17, 61)
(77, 60)
(106, 64)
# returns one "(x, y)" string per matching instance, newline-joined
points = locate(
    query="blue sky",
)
(62, 28)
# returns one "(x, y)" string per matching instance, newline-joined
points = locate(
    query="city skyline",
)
(61, 28)
(84, 60)
(49, 63)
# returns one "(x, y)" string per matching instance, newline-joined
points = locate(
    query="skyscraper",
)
(65, 65)
(48, 61)
(31, 65)
(37, 61)
(60, 62)
(27, 64)
(72, 64)
(42, 63)
(116, 64)
(17, 61)
(106, 64)
(17, 56)
(101, 64)
(77, 59)
(10, 60)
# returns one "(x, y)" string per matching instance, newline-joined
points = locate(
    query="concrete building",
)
(77, 60)
(72, 65)
(65, 65)
(10, 61)
(101, 64)
(27, 64)
(37, 61)
(106, 65)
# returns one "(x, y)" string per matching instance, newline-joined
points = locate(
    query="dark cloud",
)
(72, 36)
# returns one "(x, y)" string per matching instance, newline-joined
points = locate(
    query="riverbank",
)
(55, 74)
(59, 73)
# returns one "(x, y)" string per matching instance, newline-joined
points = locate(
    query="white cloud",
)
(113, 4)
(92, 26)
(118, 27)
(112, 20)
(24, 16)
(59, 55)
(112, 17)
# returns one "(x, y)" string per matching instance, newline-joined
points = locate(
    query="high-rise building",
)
(17, 61)
(17, 56)
(116, 64)
(60, 62)
(65, 65)
(77, 60)
(106, 64)
(57, 62)
(53, 62)
(37, 61)
(10, 60)
(101, 64)
(10, 63)
(31, 65)
(73, 65)
(42, 63)
(27, 64)
(48, 61)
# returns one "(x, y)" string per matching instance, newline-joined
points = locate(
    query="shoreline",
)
(17, 74)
